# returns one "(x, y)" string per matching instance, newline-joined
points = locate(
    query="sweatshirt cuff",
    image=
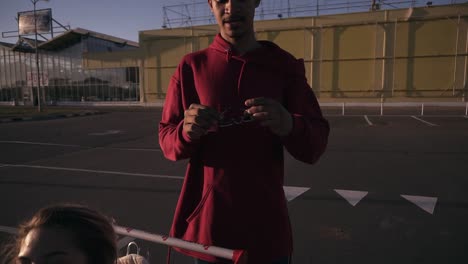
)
(184, 138)
(296, 131)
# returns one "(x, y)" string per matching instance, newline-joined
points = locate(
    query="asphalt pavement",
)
(389, 189)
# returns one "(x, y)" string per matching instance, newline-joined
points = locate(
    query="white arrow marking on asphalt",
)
(424, 202)
(353, 197)
(292, 192)
(108, 132)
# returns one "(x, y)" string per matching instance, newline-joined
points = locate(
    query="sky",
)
(125, 18)
(120, 18)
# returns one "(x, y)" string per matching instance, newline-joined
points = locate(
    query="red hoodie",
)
(232, 194)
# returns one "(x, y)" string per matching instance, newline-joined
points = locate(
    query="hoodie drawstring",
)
(228, 54)
(228, 58)
(240, 77)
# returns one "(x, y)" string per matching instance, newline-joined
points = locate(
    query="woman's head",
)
(66, 233)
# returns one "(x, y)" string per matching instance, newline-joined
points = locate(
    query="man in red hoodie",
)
(230, 109)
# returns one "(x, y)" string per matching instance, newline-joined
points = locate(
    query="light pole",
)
(37, 56)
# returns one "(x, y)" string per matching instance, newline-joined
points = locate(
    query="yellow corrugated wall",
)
(392, 54)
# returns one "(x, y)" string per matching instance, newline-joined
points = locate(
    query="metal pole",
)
(320, 54)
(317, 8)
(394, 56)
(466, 63)
(175, 242)
(381, 104)
(384, 53)
(37, 60)
(456, 57)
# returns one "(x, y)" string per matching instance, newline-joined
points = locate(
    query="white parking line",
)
(132, 149)
(94, 171)
(40, 143)
(291, 192)
(424, 121)
(106, 133)
(74, 146)
(9, 230)
(368, 121)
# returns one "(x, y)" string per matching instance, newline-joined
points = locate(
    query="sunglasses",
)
(227, 118)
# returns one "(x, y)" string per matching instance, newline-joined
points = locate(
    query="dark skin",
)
(198, 119)
(235, 23)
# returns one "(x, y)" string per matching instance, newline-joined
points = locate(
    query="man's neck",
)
(243, 45)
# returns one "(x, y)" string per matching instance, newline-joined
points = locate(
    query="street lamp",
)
(37, 56)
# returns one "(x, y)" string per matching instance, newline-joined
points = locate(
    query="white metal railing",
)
(237, 256)
(381, 105)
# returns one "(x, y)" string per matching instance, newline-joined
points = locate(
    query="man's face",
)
(234, 17)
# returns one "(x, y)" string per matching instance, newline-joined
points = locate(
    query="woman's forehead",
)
(44, 240)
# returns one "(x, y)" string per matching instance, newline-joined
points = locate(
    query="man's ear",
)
(210, 3)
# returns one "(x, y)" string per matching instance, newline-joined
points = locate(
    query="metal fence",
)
(63, 78)
(197, 12)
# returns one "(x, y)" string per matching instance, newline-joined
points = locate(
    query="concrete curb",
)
(49, 117)
(111, 104)
(324, 104)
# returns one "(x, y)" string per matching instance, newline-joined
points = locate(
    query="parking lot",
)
(391, 188)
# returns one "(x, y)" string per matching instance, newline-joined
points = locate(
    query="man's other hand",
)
(271, 114)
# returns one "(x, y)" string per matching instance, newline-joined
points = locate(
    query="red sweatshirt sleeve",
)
(309, 136)
(181, 92)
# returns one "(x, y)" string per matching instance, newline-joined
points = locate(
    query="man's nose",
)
(231, 6)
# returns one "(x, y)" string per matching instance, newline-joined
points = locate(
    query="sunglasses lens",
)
(238, 120)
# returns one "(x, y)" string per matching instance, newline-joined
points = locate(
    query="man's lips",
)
(233, 20)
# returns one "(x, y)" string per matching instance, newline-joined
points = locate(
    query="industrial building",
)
(405, 54)
(63, 77)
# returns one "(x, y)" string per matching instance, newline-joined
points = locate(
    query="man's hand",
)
(198, 119)
(270, 113)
